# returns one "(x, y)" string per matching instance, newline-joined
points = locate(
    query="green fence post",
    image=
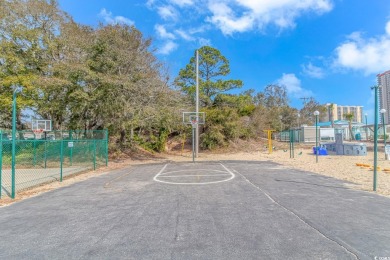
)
(292, 145)
(106, 148)
(13, 144)
(35, 152)
(94, 154)
(45, 156)
(71, 148)
(61, 157)
(1, 161)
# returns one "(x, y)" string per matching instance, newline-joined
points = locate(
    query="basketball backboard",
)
(191, 118)
(41, 124)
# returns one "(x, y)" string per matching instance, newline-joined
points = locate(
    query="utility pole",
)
(197, 105)
(304, 100)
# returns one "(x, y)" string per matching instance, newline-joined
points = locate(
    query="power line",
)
(304, 99)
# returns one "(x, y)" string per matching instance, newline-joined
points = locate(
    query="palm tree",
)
(349, 117)
(331, 106)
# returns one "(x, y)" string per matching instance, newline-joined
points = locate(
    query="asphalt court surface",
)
(205, 210)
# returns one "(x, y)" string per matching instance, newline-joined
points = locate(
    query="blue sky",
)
(331, 50)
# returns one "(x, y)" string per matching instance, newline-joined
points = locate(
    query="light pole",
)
(365, 115)
(316, 113)
(197, 105)
(383, 111)
(375, 135)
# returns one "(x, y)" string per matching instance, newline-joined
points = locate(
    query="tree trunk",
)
(123, 137)
(350, 131)
(131, 134)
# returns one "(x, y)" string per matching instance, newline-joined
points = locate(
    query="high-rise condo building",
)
(337, 112)
(384, 94)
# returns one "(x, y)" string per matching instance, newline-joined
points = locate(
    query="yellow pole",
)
(269, 142)
(269, 135)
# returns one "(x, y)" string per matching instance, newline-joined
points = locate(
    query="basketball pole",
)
(193, 143)
(197, 106)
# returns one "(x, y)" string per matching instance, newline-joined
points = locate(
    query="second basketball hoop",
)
(194, 119)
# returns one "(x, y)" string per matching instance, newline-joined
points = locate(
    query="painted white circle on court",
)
(177, 177)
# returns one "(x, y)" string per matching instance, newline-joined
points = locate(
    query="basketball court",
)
(27, 178)
(202, 210)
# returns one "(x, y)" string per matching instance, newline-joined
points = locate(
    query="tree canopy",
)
(82, 77)
(108, 77)
(213, 67)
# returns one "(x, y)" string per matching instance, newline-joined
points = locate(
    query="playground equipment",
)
(345, 149)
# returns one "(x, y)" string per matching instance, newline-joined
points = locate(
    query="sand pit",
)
(341, 167)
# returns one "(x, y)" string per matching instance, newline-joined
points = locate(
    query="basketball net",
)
(38, 131)
(194, 123)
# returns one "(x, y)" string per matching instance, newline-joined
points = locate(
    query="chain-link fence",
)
(284, 136)
(48, 156)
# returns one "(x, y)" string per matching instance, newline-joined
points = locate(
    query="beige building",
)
(339, 112)
(384, 94)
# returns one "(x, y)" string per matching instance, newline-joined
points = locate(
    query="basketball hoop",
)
(41, 125)
(38, 131)
(193, 118)
(194, 123)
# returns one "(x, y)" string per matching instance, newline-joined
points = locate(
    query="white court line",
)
(206, 175)
(232, 176)
(189, 170)
(163, 168)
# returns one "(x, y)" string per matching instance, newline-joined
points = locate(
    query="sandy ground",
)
(340, 167)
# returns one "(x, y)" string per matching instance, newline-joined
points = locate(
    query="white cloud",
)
(388, 28)
(182, 3)
(167, 48)
(108, 18)
(313, 71)
(204, 42)
(162, 32)
(244, 15)
(232, 16)
(199, 29)
(167, 12)
(150, 3)
(225, 19)
(370, 55)
(293, 85)
(186, 36)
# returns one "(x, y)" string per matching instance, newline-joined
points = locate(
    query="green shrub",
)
(213, 138)
(154, 142)
(224, 124)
